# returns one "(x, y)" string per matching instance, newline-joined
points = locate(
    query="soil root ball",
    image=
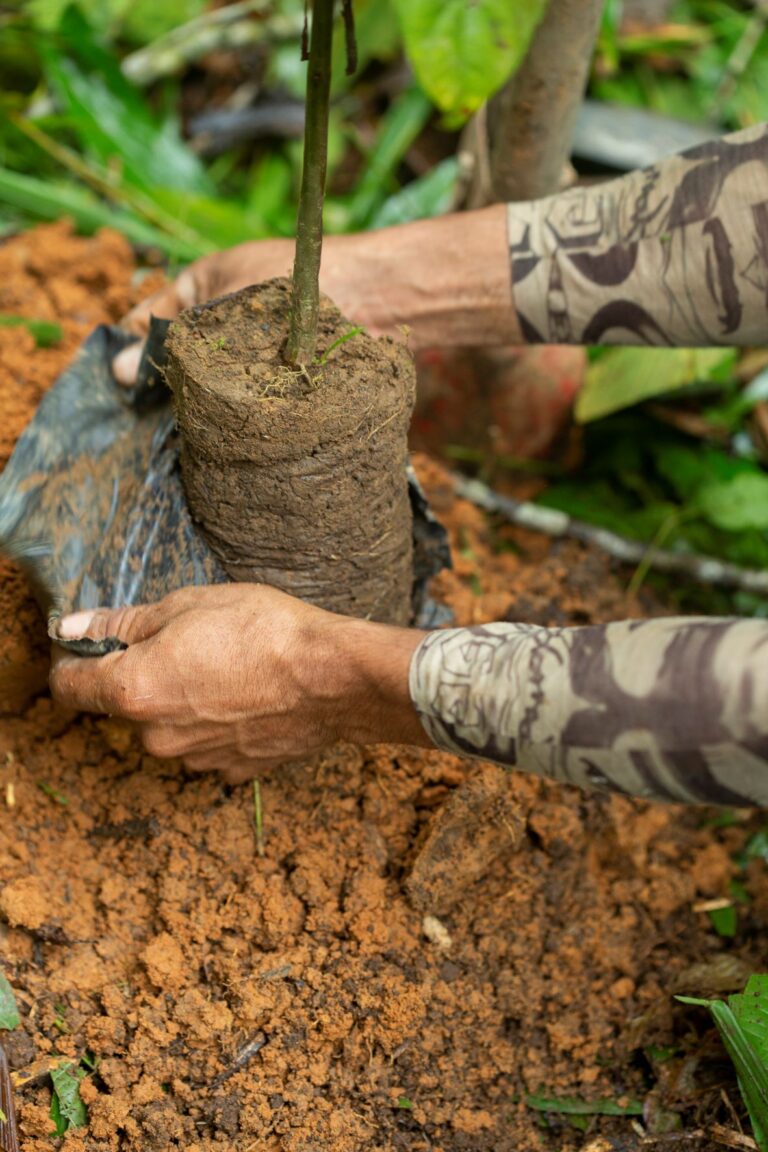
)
(297, 477)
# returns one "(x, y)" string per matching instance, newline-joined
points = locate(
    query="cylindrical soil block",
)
(297, 478)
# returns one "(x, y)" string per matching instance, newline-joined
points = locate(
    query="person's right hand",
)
(446, 281)
(211, 276)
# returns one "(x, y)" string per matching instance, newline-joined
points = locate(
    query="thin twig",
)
(230, 27)
(703, 569)
(258, 818)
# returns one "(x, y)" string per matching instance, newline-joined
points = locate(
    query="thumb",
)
(131, 625)
(165, 304)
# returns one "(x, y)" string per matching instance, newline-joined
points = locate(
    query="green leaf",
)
(45, 332)
(145, 21)
(627, 376)
(724, 920)
(571, 1106)
(430, 195)
(462, 53)
(756, 847)
(49, 200)
(739, 504)
(398, 129)
(46, 14)
(750, 1008)
(743, 1026)
(67, 1109)
(9, 1013)
(110, 116)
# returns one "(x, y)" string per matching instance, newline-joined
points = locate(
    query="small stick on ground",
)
(258, 818)
(703, 569)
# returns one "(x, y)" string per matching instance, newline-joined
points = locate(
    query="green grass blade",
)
(37, 200)
(571, 1106)
(397, 131)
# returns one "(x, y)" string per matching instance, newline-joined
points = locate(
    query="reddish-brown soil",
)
(425, 940)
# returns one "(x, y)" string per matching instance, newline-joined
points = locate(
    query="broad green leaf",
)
(750, 1008)
(463, 52)
(624, 377)
(9, 1013)
(67, 1109)
(742, 1026)
(112, 120)
(149, 153)
(572, 1106)
(737, 504)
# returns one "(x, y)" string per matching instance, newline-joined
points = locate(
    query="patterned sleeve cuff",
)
(671, 709)
(673, 255)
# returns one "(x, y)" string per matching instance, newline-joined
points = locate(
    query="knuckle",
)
(181, 598)
(160, 742)
(131, 694)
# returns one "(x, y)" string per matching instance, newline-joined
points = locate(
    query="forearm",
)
(676, 254)
(446, 280)
(673, 709)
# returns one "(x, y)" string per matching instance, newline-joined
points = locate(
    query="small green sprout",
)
(51, 792)
(345, 336)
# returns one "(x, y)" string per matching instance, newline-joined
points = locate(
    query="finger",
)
(166, 304)
(234, 768)
(249, 770)
(125, 366)
(131, 625)
(109, 684)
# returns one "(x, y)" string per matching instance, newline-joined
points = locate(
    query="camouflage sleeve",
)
(675, 254)
(670, 709)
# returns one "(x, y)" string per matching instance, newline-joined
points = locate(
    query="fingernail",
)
(74, 626)
(126, 364)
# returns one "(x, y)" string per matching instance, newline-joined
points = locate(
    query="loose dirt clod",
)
(297, 478)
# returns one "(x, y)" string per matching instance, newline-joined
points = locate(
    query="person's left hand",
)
(241, 677)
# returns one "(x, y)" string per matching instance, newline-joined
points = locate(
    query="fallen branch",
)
(221, 29)
(703, 569)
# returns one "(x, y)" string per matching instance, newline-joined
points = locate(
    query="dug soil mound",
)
(428, 948)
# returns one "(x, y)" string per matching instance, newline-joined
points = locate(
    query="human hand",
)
(439, 283)
(241, 677)
(205, 279)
